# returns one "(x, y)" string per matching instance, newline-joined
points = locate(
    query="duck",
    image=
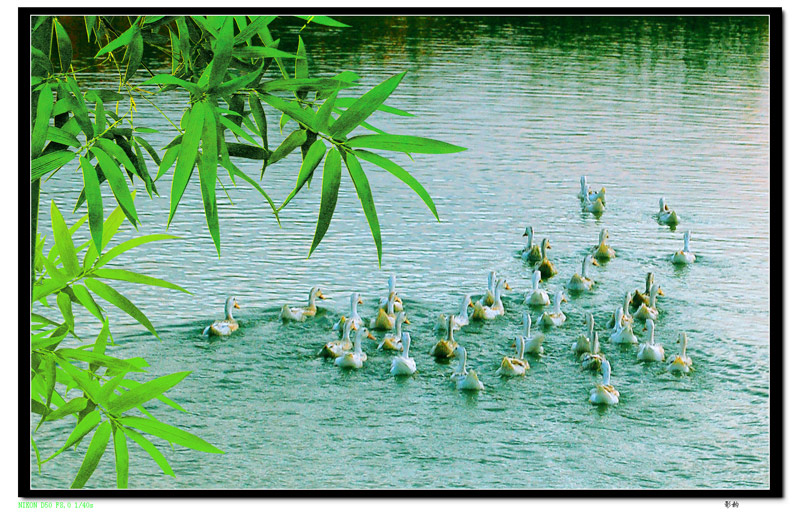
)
(557, 317)
(404, 364)
(546, 267)
(356, 358)
(680, 363)
(584, 343)
(338, 348)
(465, 381)
(537, 296)
(650, 351)
(386, 317)
(481, 312)
(627, 318)
(355, 300)
(646, 312)
(514, 366)
(531, 252)
(638, 297)
(398, 302)
(488, 296)
(581, 282)
(604, 394)
(533, 342)
(228, 325)
(394, 341)
(685, 256)
(601, 251)
(622, 333)
(665, 215)
(594, 359)
(445, 349)
(592, 205)
(593, 196)
(462, 318)
(300, 314)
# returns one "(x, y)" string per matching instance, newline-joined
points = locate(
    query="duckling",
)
(300, 314)
(481, 312)
(584, 343)
(593, 360)
(546, 267)
(602, 252)
(604, 394)
(394, 341)
(355, 300)
(622, 333)
(462, 318)
(356, 358)
(228, 325)
(650, 351)
(581, 282)
(638, 297)
(338, 348)
(386, 318)
(465, 381)
(514, 366)
(646, 312)
(404, 365)
(533, 342)
(538, 296)
(398, 302)
(665, 215)
(556, 317)
(445, 348)
(685, 256)
(680, 363)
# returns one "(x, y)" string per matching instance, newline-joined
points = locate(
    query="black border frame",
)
(777, 381)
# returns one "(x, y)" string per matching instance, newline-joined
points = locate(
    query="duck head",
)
(230, 303)
(406, 339)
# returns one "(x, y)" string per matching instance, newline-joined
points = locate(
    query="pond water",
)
(646, 107)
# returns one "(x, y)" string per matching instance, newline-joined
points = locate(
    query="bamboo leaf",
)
(301, 63)
(331, 178)
(365, 196)
(63, 241)
(255, 185)
(120, 301)
(64, 46)
(348, 102)
(44, 107)
(293, 110)
(87, 301)
(65, 305)
(83, 427)
(150, 449)
(304, 85)
(187, 155)
(133, 56)
(234, 85)
(99, 360)
(208, 173)
(310, 162)
(62, 136)
(237, 130)
(94, 201)
(223, 48)
(117, 182)
(124, 39)
(169, 433)
(144, 392)
(121, 458)
(72, 407)
(251, 29)
(50, 162)
(403, 143)
(292, 142)
(258, 115)
(49, 372)
(132, 277)
(166, 79)
(97, 447)
(400, 173)
(246, 151)
(260, 52)
(322, 119)
(130, 244)
(323, 20)
(110, 228)
(364, 106)
(166, 163)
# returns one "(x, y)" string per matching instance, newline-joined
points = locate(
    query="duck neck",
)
(648, 283)
(354, 306)
(652, 328)
(521, 354)
(653, 295)
(683, 346)
(596, 344)
(357, 343)
(584, 267)
(625, 306)
(584, 189)
(589, 326)
(544, 249)
(498, 302)
(492, 281)
(229, 310)
(406, 345)
(527, 322)
(557, 309)
(398, 324)
(464, 306)
(451, 327)
(390, 305)
(312, 298)
(606, 375)
(686, 242)
(346, 331)
(529, 241)
(462, 367)
(618, 319)
(602, 237)
(537, 276)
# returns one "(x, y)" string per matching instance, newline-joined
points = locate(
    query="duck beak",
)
(660, 291)
(360, 300)
(471, 304)
(322, 297)
(549, 246)
(507, 287)
(405, 321)
(594, 262)
(370, 336)
(525, 234)
(564, 298)
(236, 305)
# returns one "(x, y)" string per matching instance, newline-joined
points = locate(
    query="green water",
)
(653, 107)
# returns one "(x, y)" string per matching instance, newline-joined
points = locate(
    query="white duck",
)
(481, 312)
(546, 267)
(386, 317)
(592, 196)
(445, 348)
(680, 362)
(356, 358)
(601, 251)
(646, 312)
(488, 296)
(462, 318)
(465, 381)
(594, 359)
(300, 314)
(605, 394)
(338, 348)
(581, 282)
(394, 340)
(531, 252)
(355, 300)
(556, 317)
(622, 333)
(638, 297)
(592, 205)
(398, 302)
(584, 343)
(228, 325)
(627, 318)
(538, 296)
(651, 351)
(404, 365)
(685, 256)
(533, 342)
(514, 366)
(665, 215)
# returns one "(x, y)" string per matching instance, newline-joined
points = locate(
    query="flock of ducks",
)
(391, 317)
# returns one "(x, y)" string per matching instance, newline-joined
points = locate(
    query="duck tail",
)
(207, 330)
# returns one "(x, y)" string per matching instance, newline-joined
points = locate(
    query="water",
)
(645, 107)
